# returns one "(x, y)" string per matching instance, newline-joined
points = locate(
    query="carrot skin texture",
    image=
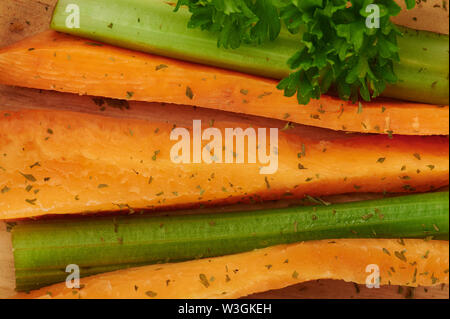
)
(233, 276)
(92, 163)
(70, 64)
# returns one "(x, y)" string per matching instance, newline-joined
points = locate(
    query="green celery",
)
(43, 248)
(151, 26)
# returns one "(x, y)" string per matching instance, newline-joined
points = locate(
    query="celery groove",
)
(152, 26)
(43, 249)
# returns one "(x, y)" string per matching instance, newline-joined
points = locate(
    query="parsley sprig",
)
(236, 21)
(337, 50)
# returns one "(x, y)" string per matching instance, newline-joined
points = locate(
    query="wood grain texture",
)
(23, 18)
(7, 279)
(429, 15)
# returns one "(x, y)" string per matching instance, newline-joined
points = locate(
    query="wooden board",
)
(7, 281)
(23, 18)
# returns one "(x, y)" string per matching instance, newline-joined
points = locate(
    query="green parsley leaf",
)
(337, 49)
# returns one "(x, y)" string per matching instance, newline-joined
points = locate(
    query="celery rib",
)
(152, 26)
(42, 249)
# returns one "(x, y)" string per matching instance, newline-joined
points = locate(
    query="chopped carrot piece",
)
(63, 162)
(55, 61)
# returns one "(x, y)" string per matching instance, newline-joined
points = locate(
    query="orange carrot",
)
(54, 61)
(62, 162)
(409, 263)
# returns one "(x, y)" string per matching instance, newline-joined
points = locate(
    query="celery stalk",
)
(152, 26)
(43, 249)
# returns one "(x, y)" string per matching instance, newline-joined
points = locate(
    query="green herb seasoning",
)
(400, 255)
(204, 281)
(160, 67)
(5, 189)
(35, 165)
(189, 93)
(28, 177)
(155, 154)
(31, 201)
(267, 182)
(151, 294)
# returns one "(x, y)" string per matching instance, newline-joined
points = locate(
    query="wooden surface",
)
(7, 281)
(22, 18)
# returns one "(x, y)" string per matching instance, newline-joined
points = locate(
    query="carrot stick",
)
(406, 262)
(62, 162)
(54, 61)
